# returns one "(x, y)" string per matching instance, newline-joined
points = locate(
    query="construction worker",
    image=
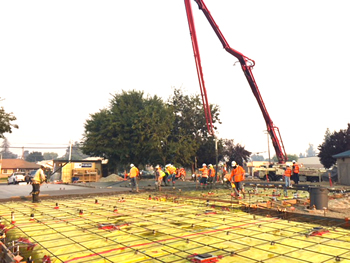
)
(287, 175)
(211, 174)
(295, 172)
(204, 177)
(237, 176)
(171, 171)
(159, 177)
(134, 172)
(38, 179)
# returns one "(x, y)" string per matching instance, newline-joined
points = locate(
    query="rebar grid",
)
(167, 228)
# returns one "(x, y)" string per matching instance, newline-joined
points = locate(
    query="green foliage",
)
(333, 143)
(256, 157)
(5, 152)
(234, 152)
(133, 130)
(310, 152)
(290, 157)
(50, 156)
(76, 153)
(34, 157)
(6, 120)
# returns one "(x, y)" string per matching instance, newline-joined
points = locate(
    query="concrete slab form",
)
(173, 226)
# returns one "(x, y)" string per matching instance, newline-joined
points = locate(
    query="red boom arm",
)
(246, 64)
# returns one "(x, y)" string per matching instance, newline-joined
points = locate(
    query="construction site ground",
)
(105, 222)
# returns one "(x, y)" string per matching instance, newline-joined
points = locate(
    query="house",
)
(9, 166)
(343, 165)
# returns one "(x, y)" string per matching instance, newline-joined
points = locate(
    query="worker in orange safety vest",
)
(211, 175)
(295, 172)
(238, 176)
(204, 177)
(287, 175)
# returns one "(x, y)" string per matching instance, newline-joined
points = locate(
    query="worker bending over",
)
(159, 177)
(171, 171)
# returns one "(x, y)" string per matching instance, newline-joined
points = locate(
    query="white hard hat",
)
(167, 165)
(210, 165)
(288, 165)
(157, 166)
(132, 165)
(233, 163)
(293, 161)
(204, 164)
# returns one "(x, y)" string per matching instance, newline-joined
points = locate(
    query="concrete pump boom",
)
(246, 64)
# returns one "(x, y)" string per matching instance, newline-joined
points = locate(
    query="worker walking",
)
(238, 176)
(204, 177)
(295, 172)
(287, 175)
(38, 179)
(134, 172)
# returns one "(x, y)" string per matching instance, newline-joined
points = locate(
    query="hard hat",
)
(204, 164)
(288, 165)
(157, 166)
(233, 163)
(210, 165)
(132, 165)
(293, 161)
(167, 165)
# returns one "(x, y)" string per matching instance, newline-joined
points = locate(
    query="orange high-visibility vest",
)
(288, 172)
(296, 168)
(204, 171)
(212, 172)
(238, 174)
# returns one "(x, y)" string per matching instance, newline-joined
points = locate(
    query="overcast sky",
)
(60, 61)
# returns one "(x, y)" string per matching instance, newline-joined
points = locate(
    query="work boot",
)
(35, 198)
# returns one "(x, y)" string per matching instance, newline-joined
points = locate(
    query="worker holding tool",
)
(287, 175)
(295, 172)
(237, 176)
(38, 179)
(204, 177)
(134, 172)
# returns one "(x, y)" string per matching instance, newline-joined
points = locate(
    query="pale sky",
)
(61, 60)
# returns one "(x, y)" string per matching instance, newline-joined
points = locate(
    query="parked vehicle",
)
(16, 177)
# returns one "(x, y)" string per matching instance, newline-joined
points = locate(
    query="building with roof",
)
(9, 166)
(343, 165)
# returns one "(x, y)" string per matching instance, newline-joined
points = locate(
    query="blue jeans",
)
(287, 180)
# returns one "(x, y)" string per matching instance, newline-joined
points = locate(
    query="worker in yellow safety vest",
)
(38, 179)
(134, 172)
(160, 174)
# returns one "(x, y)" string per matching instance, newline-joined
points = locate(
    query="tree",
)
(50, 156)
(35, 157)
(256, 157)
(235, 152)
(310, 152)
(76, 154)
(290, 157)
(5, 152)
(6, 120)
(133, 129)
(189, 138)
(333, 143)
